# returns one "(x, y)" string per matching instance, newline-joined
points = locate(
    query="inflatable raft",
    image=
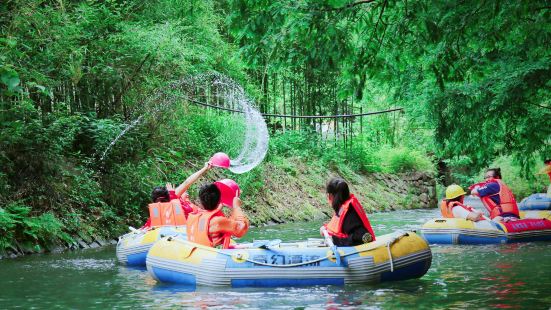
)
(461, 231)
(391, 257)
(536, 202)
(132, 247)
(535, 214)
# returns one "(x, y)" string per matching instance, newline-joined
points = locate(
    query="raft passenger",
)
(209, 226)
(452, 206)
(497, 197)
(349, 226)
(547, 170)
(179, 195)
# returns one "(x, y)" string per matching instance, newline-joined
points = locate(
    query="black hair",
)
(497, 172)
(160, 194)
(547, 161)
(209, 195)
(339, 189)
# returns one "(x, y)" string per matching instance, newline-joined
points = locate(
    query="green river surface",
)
(486, 276)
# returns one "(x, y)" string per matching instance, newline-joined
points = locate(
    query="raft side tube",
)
(391, 257)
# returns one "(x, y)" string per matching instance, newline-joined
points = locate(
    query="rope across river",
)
(295, 116)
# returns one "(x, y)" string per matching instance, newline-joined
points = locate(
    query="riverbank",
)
(280, 193)
(297, 192)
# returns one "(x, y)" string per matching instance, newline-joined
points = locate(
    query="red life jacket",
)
(507, 203)
(447, 208)
(186, 204)
(198, 224)
(334, 227)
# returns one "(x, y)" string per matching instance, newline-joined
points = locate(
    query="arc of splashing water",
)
(255, 145)
(125, 130)
(246, 161)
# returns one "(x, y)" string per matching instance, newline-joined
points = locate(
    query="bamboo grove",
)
(472, 78)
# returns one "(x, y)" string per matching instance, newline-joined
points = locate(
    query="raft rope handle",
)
(284, 266)
(388, 244)
(397, 236)
(250, 260)
(390, 256)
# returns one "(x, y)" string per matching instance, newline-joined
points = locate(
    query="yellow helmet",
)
(454, 191)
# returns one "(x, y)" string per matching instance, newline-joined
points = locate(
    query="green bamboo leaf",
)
(10, 78)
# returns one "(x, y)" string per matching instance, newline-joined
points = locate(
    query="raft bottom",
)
(286, 282)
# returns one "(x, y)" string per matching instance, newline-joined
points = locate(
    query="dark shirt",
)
(490, 189)
(493, 188)
(353, 227)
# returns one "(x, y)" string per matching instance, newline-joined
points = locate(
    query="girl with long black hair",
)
(349, 226)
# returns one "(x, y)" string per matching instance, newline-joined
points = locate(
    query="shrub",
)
(401, 159)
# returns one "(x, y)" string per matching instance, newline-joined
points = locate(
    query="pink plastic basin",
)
(220, 160)
(228, 190)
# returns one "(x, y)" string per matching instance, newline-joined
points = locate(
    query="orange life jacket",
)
(507, 202)
(198, 224)
(447, 208)
(167, 213)
(334, 227)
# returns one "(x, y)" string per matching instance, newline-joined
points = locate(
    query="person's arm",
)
(474, 216)
(459, 212)
(147, 224)
(237, 224)
(353, 226)
(182, 188)
(486, 190)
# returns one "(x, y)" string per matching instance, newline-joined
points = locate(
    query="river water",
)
(507, 276)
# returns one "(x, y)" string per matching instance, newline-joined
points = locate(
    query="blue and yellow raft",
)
(538, 201)
(535, 214)
(461, 231)
(398, 256)
(132, 247)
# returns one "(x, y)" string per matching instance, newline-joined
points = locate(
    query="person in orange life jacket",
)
(209, 226)
(349, 226)
(168, 193)
(452, 206)
(497, 197)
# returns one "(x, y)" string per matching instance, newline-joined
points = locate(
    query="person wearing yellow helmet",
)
(452, 206)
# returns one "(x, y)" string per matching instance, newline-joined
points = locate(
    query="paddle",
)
(329, 242)
(486, 218)
(266, 244)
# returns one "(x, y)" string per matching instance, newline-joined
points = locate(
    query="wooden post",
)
(284, 109)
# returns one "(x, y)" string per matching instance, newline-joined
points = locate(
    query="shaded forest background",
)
(472, 77)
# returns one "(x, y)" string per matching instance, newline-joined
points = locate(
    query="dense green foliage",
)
(473, 79)
(71, 75)
(476, 74)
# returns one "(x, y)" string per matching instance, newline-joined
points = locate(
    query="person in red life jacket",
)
(547, 170)
(168, 193)
(497, 197)
(209, 226)
(349, 226)
(452, 206)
